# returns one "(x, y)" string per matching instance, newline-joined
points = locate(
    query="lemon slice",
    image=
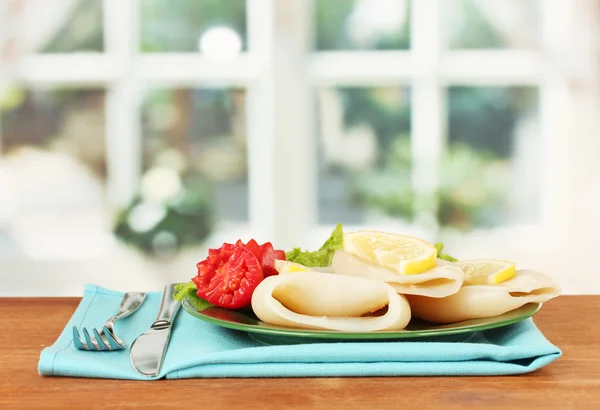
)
(487, 271)
(400, 253)
(283, 266)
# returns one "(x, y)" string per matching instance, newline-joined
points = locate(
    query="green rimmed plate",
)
(246, 321)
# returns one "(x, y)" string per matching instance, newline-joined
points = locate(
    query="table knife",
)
(148, 349)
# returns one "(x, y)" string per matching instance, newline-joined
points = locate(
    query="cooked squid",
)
(443, 280)
(479, 301)
(318, 300)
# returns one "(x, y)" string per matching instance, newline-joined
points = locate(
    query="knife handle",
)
(168, 308)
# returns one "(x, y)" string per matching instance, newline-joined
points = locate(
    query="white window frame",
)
(279, 73)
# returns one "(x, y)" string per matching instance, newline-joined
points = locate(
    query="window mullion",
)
(123, 136)
(1, 143)
(428, 111)
(259, 114)
(282, 167)
(555, 114)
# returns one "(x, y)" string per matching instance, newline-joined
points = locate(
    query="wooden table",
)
(573, 381)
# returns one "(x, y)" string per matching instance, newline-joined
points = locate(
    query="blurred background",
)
(134, 135)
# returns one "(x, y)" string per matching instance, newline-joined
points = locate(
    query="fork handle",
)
(130, 303)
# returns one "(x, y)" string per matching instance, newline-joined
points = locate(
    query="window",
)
(165, 28)
(452, 120)
(54, 171)
(202, 130)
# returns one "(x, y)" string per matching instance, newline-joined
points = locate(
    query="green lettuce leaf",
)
(189, 289)
(321, 257)
(440, 246)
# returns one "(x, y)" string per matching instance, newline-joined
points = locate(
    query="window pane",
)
(473, 24)
(208, 26)
(52, 173)
(200, 134)
(362, 24)
(491, 171)
(81, 31)
(364, 154)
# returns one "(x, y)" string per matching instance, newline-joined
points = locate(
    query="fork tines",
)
(102, 341)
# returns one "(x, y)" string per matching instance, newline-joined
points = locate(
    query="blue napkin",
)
(200, 349)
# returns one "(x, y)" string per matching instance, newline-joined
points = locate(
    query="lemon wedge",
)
(487, 271)
(283, 266)
(400, 253)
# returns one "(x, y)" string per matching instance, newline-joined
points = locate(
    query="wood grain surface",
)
(571, 382)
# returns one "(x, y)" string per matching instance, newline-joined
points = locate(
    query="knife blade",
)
(148, 349)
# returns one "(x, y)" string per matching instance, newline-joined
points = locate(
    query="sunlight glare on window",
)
(220, 43)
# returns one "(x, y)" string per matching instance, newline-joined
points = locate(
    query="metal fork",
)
(106, 339)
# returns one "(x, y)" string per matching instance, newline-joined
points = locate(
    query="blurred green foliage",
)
(475, 32)
(187, 219)
(83, 31)
(331, 30)
(472, 186)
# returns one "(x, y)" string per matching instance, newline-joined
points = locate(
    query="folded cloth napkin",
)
(200, 349)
